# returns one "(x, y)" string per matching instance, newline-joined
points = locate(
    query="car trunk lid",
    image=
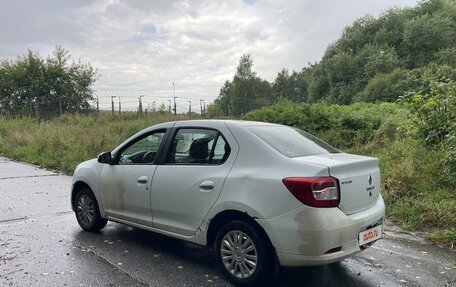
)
(359, 179)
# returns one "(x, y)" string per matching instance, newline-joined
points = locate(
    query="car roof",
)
(212, 122)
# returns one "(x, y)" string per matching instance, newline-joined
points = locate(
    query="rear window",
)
(292, 142)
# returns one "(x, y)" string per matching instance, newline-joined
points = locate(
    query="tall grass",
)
(68, 140)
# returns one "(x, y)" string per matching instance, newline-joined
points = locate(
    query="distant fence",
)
(181, 101)
(125, 101)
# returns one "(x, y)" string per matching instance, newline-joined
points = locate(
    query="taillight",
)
(314, 191)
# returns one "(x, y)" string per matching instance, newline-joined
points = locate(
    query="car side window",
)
(221, 151)
(197, 146)
(143, 151)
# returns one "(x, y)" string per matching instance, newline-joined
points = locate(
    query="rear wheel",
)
(242, 254)
(87, 212)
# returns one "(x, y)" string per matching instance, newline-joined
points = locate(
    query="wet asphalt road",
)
(41, 244)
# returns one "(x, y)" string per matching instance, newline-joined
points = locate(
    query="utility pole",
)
(52, 93)
(98, 107)
(169, 101)
(59, 96)
(36, 110)
(189, 109)
(203, 107)
(174, 96)
(60, 106)
(119, 107)
(112, 104)
(140, 106)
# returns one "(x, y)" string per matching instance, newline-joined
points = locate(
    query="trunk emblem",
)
(370, 188)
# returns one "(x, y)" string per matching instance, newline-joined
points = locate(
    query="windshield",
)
(292, 142)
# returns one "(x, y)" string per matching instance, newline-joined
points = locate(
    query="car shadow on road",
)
(162, 255)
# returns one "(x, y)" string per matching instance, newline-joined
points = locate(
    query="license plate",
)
(371, 234)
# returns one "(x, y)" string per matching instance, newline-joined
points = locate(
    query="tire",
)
(87, 212)
(237, 246)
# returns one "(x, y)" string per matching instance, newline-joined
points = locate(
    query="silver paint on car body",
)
(175, 200)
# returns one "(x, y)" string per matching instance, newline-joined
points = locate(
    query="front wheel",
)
(87, 212)
(242, 254)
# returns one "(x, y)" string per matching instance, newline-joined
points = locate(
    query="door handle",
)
(142, 179)
(207, 185)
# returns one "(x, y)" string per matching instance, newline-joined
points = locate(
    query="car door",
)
(190, 180)
(125, 185)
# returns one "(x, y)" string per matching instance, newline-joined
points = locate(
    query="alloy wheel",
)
(239, 254)
(85, 209)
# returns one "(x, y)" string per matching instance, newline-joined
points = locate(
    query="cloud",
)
(137, 45)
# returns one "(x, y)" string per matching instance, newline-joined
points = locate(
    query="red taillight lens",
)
(314, 191)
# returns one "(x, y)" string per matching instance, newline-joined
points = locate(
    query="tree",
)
(386, 87)
(360, 33)
(319, 84)
(425, 35)
(446, 57)
(375, 59)
(243, 96)
(289, 86)
(31, 85)
(302, 84)
(372, 48)
(223, 101)
(263, 94)
(391, 28)
(244, 93)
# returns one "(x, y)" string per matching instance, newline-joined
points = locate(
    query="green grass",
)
(417, 190)
(64, 142)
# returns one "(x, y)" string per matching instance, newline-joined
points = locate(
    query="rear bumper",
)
(302, 237)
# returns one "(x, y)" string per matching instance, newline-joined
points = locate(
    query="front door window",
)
(143, 151)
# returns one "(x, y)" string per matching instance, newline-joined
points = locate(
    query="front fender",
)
(88, 173)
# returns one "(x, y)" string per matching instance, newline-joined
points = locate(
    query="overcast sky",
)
(147, 44)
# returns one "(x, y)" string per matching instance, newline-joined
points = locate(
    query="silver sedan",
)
(259, 193)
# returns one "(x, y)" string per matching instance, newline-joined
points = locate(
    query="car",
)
(262, 195)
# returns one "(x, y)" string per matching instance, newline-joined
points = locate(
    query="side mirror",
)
(105, 157)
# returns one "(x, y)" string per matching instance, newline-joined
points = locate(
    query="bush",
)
(344, 127)
(434, 110)
(434, 122)
(385, 87)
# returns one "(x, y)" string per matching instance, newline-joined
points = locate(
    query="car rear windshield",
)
(292, 142)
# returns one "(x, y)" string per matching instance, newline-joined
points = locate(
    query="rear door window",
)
(198, 146)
